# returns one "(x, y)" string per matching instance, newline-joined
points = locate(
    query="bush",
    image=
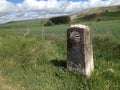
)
(49, 23)
(60, 20)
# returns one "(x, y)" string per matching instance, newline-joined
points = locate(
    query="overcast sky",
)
(11, 10)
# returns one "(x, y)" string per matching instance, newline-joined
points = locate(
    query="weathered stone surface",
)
(79, 49)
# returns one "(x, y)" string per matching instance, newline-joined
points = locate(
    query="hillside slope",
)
(101, 13)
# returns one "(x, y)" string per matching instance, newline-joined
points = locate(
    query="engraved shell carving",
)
(75, 36)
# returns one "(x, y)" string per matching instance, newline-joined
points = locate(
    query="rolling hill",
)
(102, 13)
(97, 14)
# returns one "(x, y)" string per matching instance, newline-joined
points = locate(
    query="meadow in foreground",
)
(39, 62)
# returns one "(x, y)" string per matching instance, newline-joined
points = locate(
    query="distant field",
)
(103, 27)
(111, 16)
(38, 30)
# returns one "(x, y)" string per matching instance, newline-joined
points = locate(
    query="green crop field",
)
(111, 27)
(37, 61)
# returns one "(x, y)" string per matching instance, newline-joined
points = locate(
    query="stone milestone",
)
(79, 49)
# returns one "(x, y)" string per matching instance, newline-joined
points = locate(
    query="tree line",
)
(58, 20)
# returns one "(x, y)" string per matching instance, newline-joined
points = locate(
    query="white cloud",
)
(46, 8)
(6, 7)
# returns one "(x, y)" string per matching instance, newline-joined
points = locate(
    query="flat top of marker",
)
(79, 26)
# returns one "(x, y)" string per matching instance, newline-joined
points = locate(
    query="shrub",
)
(49, 23)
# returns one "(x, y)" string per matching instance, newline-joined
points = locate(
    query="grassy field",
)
(111, 27)
(38, 61)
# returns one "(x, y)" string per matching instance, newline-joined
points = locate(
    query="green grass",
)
(38, 62)
(111, 27)
(111, 16)
(106, 27)
(35, 30)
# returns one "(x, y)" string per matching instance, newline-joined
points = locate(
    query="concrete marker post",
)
(79, 49)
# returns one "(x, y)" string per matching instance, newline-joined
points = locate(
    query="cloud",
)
(6, 7)
(46, 8)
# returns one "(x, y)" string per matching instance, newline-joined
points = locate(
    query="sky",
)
(12, 10)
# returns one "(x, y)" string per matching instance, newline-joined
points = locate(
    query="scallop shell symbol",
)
(75, 36)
